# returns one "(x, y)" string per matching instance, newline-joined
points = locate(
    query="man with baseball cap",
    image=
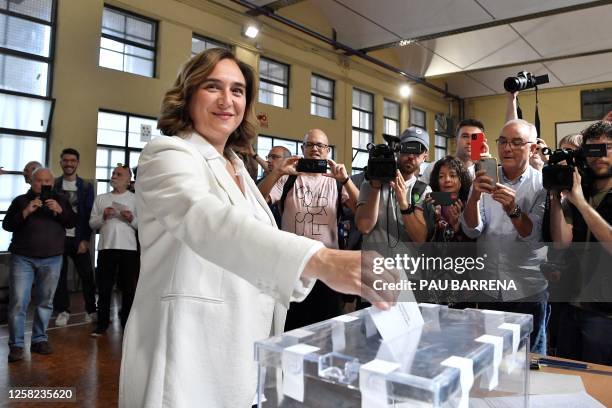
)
(376, 217)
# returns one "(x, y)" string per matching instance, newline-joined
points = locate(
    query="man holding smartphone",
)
(506, 219)
(38, 225)
(310, 204)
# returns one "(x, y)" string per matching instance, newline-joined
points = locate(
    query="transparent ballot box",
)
(457, 358)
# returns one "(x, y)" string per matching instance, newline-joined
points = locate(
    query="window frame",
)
(355, 150)
(50, 61)
(130, 42)
(267, 81)
(125, 147)
(398, 120)
(207, 39)
(424, 112)
(317, 95)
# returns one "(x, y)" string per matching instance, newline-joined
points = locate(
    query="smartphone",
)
(443, 198)
(311, 166)
(477, 143)
(45, 193)
(490, 165)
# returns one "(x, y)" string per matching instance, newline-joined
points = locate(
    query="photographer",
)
(506, 218)
(585, 215)
(373, 216)
(310, 206)
(38, 220)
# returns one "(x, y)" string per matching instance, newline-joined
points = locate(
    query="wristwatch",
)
(408, 210)
(516, 212)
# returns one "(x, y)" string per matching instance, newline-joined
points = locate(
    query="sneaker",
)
(98, 332)
(91, 317)
(62, 319)
(15, 354)
(42, 347)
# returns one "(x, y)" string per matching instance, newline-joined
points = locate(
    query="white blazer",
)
(212, 280)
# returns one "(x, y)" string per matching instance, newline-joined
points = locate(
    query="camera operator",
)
(373, 215)
(506, 218)
(38, 221)
(585, 329)
(310, 205)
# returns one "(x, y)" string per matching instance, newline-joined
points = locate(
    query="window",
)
(27, 30)
(595, 103)
(443, 133)
(200, 43)
(273, 83)
(418, 118)
(321, 96)
(363, 127)
(121, 137)
(391, 118)
(265, 143)
(128, 42)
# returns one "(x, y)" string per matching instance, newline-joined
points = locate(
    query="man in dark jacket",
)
(38, 221)
(81, 196)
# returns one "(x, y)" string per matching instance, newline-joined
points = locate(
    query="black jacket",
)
(42, 233)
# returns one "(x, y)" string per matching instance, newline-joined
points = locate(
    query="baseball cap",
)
(415, 134)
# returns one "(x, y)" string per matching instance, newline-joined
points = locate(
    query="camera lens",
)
(474, 136)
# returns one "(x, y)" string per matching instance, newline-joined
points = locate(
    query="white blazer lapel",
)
(216, 163)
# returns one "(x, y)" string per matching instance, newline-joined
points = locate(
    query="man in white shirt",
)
(465, 129)
(114, 215)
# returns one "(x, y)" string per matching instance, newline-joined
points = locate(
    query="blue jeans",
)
(44, 273)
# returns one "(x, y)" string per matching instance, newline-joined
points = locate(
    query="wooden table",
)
(597, 385)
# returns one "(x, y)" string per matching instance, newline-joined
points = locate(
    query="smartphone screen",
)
(490, 165)
(443, 198)
(477, 141)
(45, 193)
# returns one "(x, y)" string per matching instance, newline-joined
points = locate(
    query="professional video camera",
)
(558, 177)
(524, 80)
(381, 160)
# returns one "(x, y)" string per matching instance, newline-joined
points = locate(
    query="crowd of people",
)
(225, 256)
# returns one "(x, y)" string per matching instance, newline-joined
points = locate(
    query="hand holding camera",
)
(337, 171)
(33, 205)
(483, 184)
(53, 206)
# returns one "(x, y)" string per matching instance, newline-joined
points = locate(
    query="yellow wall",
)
(81, 87)
(555, 105)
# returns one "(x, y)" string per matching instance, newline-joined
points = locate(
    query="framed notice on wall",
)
(563, 129)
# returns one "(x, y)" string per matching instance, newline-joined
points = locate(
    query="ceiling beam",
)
(489, 24)
(346, 48)
(274, 6)
(536, 61)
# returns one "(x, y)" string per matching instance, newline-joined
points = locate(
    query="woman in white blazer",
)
(216, 273)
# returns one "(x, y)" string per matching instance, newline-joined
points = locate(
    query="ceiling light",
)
(251, 30)
(405, 91)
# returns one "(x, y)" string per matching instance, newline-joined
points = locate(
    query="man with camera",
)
(275, 158)
(464, 130)
(375, 215)
(38, 221)
(310, 201)
(506, 216)
(585, 215)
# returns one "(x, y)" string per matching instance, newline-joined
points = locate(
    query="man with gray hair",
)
(506, 218)
(38, 221)
(29, 168)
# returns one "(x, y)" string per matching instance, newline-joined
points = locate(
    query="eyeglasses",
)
(320, 146)
(273, 156)
(514, 143)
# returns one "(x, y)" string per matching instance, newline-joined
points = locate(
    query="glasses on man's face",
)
(273, 156)
(320, 146)
(513, 143)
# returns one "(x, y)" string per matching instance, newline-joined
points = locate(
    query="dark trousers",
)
(538, 309)
(82, 264)
(120, 266)
(322, 303)
(584, 335)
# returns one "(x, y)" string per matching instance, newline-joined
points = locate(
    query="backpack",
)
(339, 210)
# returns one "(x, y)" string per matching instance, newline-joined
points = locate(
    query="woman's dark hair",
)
(174, 118)
(455, 164)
